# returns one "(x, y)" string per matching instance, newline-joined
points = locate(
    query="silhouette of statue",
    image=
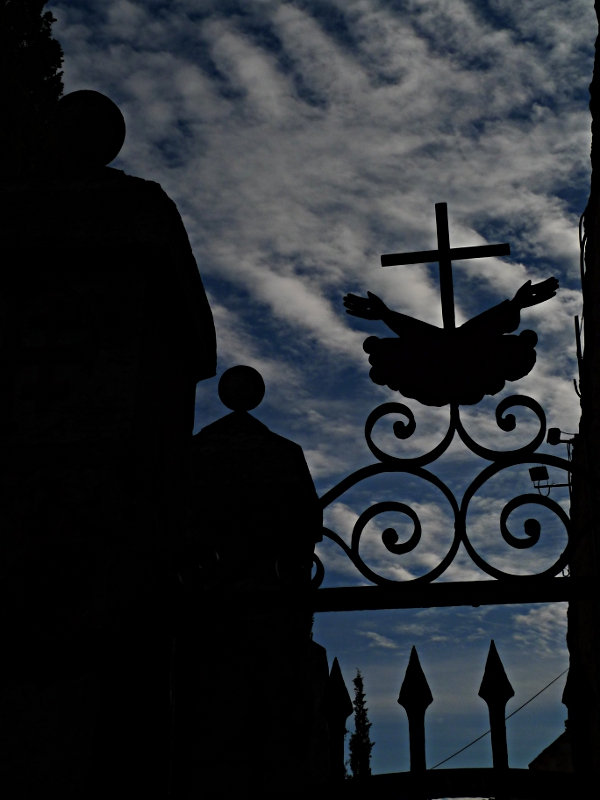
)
(437, 366)
(238, 457)
(255, 520)
(106, 330)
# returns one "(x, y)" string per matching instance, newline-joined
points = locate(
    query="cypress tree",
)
(360, 741)
(30, 82)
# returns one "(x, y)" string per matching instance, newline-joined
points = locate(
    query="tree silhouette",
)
(30, 82)
(360, 740)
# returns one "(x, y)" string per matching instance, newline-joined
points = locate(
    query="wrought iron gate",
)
(550, 585)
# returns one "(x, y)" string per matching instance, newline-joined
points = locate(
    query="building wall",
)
(582, 692)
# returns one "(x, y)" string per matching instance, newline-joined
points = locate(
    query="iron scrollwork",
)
(388, 463)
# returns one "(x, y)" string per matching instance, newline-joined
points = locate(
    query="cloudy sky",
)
(300, 141)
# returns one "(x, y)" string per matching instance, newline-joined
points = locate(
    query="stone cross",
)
(444, 256)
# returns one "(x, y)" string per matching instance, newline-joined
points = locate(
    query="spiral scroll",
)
(506, 422)
(532, 527)
(501, 459)
(402, 430)
(390, 537)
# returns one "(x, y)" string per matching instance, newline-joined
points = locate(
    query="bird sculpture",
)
(437, 366)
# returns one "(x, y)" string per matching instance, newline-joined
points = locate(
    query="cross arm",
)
(455, 254)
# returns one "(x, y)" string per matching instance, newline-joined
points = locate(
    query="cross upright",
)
(444, 256)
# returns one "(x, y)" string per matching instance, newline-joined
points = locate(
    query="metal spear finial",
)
(496, 690)
(415, 696)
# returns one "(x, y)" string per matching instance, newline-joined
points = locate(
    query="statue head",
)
(241, 388)
(86, 130)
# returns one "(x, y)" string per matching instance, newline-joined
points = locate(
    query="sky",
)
(302, 140)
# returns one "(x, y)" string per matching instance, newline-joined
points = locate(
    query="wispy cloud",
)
(377, 640)
(299, 150)
(542, 630)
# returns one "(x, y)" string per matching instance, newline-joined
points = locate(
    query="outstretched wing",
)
(371, 307)
(532, 294)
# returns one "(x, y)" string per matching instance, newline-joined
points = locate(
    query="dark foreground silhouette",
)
(255, 519)
(437, 366)
(106, 331)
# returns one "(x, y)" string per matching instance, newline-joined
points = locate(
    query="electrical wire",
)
(462, 749)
